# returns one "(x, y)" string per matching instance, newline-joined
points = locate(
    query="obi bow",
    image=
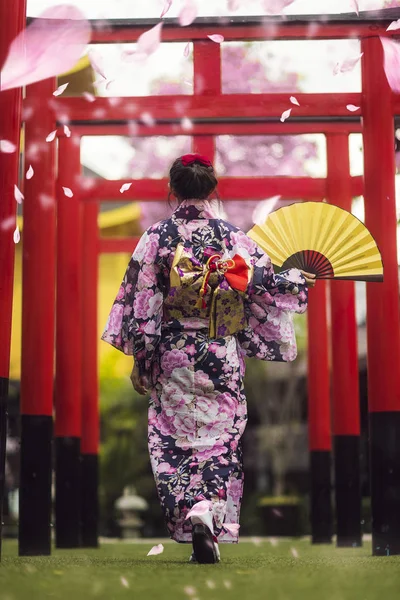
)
(216, 288)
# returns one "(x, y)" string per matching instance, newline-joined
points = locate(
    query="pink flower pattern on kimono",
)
(197, 407)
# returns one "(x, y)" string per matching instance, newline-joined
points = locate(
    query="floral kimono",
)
(197, 297)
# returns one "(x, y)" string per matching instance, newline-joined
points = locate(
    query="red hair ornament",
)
(189, 159)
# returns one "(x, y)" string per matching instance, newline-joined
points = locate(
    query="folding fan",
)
(320, 238)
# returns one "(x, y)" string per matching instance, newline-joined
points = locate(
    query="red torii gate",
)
(213, 113)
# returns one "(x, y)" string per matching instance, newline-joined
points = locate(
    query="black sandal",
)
(204, 545)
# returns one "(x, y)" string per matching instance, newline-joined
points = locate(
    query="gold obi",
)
(215, 291)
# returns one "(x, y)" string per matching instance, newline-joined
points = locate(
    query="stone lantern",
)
(129, 506)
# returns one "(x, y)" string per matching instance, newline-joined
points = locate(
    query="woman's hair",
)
(195, 180)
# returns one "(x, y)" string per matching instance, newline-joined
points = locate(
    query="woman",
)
(197, 297)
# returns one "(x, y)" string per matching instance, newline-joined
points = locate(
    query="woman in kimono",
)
(197, 297)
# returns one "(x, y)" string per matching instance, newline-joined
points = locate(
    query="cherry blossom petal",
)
(188, 13)
(88, 96)
(187, 124)
(49, 46)
(60, 89)
(7, 224)
(275, 7)
(186, 51)
(67, 131)
(51, 136)
(294, 100)
(232, 528)
(199, 509)
(68, 192)
(46, 201)
(16, 235)
(124, 582)
(215, 37)
(392, 63)
(30, 172)
(349, 63)
(18, 195)
(166, 8)
(125, 187)
(7, 147)
(294, 552)
(210, 584)
(394, 25)
(277, 513)
(352, 107)
(147, 119)
(159, 549)
(285, 115)
(97, 62)
(150, 40)
(189, 590)
(355, 7)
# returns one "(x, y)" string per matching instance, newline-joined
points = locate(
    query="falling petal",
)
(150, 40)
(18, 195)
(49, 46)
(147, 119)
(285, 115)
(125, 187)
(392, 63)
(16, 236)
(352, 107)
(232, 528)
(273, 542)
(256, 541)
(159, 549)
(275, 7)
(199, 509)
(188, 13)
(294, 552)
(218, 39)
(124, 582)
(294, 100)
(166, 8)
(7, 224)
(27, 112)
(355, 7)
(210, 584)
(277, 513)
(97, 62)
(349, 63)
(394, 25)
(186, 51)
(30, 172)
(67, 131)
(88, 96)
(228, 585)
(60, 89)
(68, 192)
(187, 82)
(7, 147)
(233, 4)
(189, 590)
(51, 136)
(187, 124)
(46, 201)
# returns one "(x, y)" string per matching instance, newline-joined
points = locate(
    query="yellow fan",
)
(320, 238)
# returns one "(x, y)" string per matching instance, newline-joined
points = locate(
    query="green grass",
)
(246, 572)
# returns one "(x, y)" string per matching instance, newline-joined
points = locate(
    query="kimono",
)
(197, 298)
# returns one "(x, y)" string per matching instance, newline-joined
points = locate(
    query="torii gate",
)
(213, 113)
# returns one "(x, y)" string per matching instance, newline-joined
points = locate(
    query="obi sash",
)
(215, 290)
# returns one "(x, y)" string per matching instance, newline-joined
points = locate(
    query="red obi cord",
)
(235, 270)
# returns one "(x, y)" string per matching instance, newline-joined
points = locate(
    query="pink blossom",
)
(174, 359)
(141, 304)
(241, 240)
(151, 249)
(115, 320)
(121, 293)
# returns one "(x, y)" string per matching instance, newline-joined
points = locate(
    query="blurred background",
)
(275, 442)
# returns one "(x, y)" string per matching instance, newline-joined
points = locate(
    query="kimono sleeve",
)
(272, 299)
(134, 323)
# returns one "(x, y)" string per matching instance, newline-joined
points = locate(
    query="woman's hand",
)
(310, 278)
(139, 383)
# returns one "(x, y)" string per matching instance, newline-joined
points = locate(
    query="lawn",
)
(287, 570)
